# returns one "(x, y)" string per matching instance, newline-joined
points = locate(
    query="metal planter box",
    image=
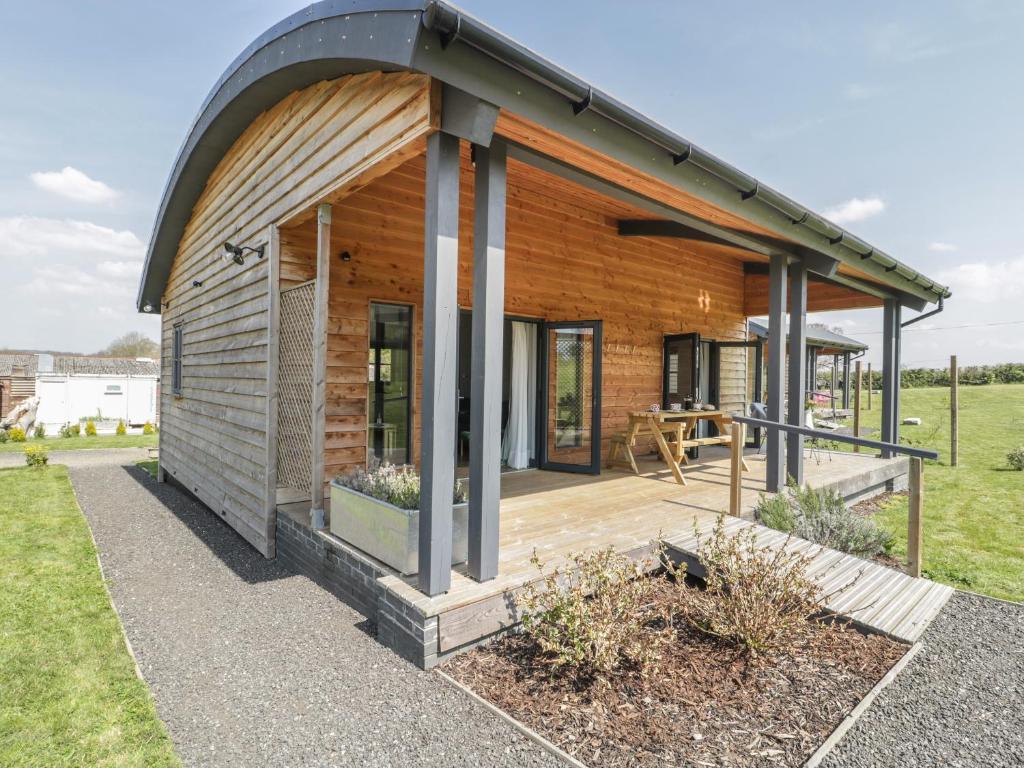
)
(388, 533)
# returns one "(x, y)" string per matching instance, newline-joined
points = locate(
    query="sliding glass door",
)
(389, 414)
(571, 398)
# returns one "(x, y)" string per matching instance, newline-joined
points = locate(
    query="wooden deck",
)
(556, 514)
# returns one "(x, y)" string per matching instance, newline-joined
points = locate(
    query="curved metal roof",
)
(337, 37)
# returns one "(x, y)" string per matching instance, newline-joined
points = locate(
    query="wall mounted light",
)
(147, 307)
(197, 283)
(345, 256)
(236, 253)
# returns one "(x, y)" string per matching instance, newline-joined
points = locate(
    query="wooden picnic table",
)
(681, 425)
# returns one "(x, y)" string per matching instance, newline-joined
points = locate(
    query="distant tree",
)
(132, 344)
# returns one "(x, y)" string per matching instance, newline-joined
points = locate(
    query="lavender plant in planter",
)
(377, 511)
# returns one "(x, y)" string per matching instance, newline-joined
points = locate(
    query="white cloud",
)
(73, 184)
(986, 282)
(31, 237)
(122, 270)
(940, 247)
(857, 92)
(893, 41)
(53, 270)
(855, 209)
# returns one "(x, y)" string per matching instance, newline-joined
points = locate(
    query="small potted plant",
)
(377, 511)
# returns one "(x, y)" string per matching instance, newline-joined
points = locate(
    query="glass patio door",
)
(571, 382)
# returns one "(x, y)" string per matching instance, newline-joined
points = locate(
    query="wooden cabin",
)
(395, 234)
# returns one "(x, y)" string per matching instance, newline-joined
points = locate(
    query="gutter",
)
(935, 311)
(452, 24)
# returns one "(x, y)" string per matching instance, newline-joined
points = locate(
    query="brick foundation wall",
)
(354, 578)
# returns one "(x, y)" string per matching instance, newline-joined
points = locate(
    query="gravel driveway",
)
(86, 457)
(251, 665)
(959, 702)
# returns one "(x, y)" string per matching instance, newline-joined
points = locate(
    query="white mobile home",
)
(107, 390)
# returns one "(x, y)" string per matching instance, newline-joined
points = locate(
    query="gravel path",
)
(87, 457)
(251, 665)
(959, 702)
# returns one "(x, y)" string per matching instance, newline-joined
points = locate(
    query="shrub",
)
(3, 436)
(147, 429)
(90, 428)
(121, 429)
(822, 516)
(593, 616)
(71, 430)
(1015, 458)
(758, 598)
(398, 485)
(16, 434)
(39, 432)
(36, 456)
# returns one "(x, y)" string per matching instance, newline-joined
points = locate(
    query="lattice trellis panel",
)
(295, 388)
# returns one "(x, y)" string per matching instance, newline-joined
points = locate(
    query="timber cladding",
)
(564, 261)
(301, 151)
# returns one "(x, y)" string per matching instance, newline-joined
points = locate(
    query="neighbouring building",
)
(17, 379)
(394, 233)
(821, 342)
(107, 390)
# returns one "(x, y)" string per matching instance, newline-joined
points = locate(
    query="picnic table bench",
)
(665, 425)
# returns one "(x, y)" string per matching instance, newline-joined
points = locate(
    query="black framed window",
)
(176, 345)
(389, 400)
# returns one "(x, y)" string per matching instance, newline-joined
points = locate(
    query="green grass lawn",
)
(150, 465)
(974, 512)
(83, 442)
(69, 695)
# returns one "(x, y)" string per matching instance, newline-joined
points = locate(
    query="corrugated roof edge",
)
(453, 22)
(272, 63)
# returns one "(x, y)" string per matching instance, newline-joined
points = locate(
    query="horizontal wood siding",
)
(300, 152)
(565, 261)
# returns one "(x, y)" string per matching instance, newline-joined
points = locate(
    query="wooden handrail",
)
(915, 480)
(906, 450)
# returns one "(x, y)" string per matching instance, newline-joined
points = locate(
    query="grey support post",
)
(487, 359)
(775, 478)
(797, 369)
(846, 381)
(440, 349)
(890, 373)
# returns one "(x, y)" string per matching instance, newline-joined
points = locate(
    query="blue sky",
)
(902, 119)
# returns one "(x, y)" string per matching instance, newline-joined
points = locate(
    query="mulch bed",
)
(706, 704)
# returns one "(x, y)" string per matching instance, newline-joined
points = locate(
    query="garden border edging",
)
(840, 731)
(526, 731)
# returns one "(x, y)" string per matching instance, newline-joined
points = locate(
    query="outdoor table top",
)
(664, 414)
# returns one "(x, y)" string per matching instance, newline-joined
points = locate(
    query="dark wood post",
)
(440, 349)
(487, 360)
(775, 478)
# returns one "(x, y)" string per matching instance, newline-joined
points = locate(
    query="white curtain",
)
(517, 447)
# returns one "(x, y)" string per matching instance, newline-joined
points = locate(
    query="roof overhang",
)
(338, 37)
